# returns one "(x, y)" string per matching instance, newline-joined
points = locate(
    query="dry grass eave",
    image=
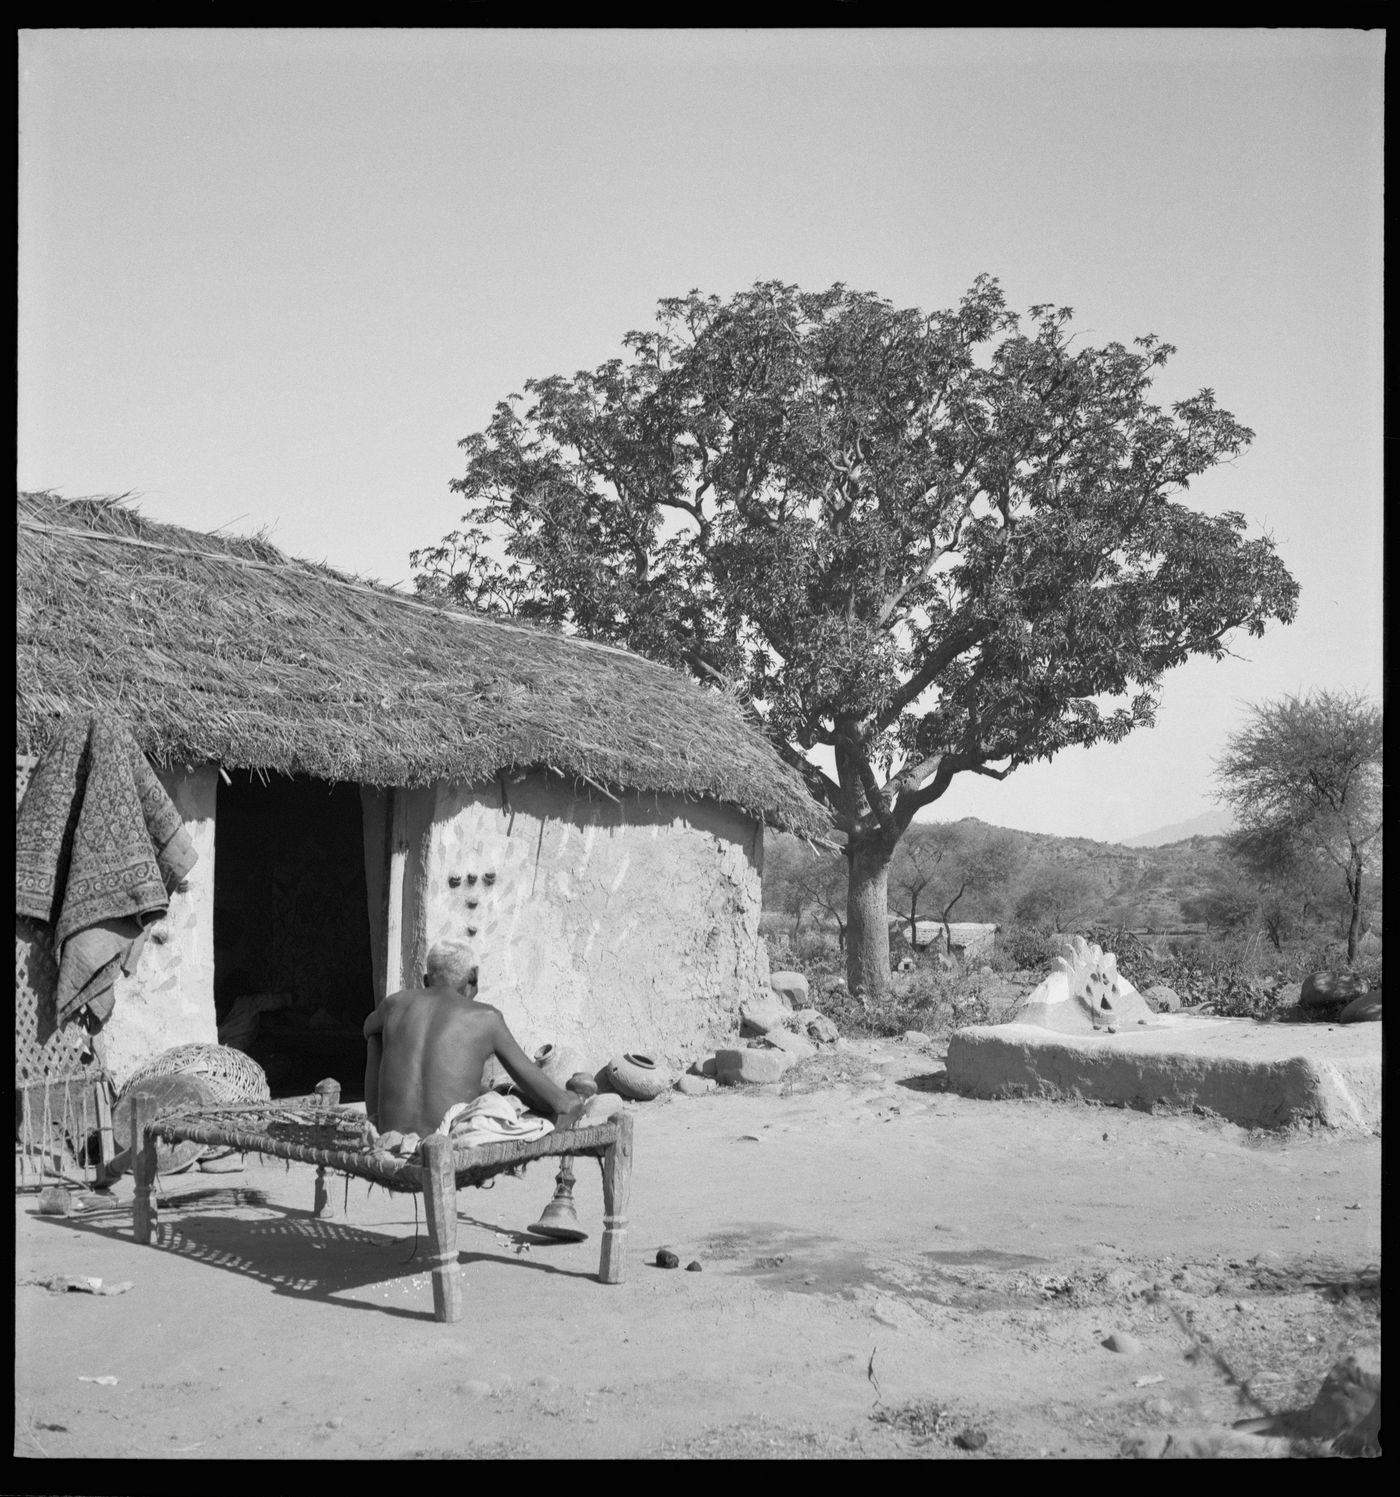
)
(222, 649)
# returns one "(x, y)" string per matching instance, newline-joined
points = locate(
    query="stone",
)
(758, 1016)
(970, 1439)
(791, 988)
(693, 1266)
(1162, 998)
(1363, 1010)
(915, 1037)
(1347, 1395)
(757, 1067)
(984, 971)
(816, 1026)
(665, 1258)
(696, 1086)
(1324, 990)
(794, 1045)
(1123, 1342)
(906, 964)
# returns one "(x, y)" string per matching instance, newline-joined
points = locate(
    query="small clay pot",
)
(558, 1063)
(636, 1076)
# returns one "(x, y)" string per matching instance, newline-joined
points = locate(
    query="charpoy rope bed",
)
(314, 1130)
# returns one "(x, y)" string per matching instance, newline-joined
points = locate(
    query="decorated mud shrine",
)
(360, 773)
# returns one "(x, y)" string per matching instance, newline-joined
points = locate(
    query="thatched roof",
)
(218, 648)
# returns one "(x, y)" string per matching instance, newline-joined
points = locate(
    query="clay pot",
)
(636, 1076)
(557, 1063)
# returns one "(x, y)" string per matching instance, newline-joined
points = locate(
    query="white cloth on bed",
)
(491, 1119)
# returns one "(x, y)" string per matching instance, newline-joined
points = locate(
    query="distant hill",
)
(1208, 824)
(1138, 886)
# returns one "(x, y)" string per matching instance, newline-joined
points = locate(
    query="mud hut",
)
(364, 772)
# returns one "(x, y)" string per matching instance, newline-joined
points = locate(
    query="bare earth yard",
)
(886, 1268)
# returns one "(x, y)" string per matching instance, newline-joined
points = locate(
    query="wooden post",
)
(104, 1127)
(143, 1165)
(394, 892)
(327, 1096)
(440, 1199)
(617, 1186)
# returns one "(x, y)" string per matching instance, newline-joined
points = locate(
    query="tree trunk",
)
(867, 916)
(1354, 889)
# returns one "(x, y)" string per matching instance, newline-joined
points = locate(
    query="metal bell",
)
(559, 1220)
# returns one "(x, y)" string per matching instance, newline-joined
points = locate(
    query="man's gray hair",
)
(452, 962)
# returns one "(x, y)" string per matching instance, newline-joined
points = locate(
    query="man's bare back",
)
(428, 1048)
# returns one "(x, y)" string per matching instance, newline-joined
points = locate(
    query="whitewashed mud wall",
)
(602, 927)
(169, 999)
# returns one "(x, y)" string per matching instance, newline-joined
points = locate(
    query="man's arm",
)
(374, 1045)
(544, 1094)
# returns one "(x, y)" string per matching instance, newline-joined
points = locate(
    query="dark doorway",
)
(292, 968)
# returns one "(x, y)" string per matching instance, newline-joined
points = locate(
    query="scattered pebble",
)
(693, 1266)
(665, 1258)
(970, 1439)
(1123, 1342)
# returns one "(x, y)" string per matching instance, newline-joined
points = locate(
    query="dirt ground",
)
(888, 1270)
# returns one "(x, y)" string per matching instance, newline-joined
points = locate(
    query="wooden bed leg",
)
(328, 1096)
(143, 1165)
(440, 1198)
(104, 1128)
(617, 1186)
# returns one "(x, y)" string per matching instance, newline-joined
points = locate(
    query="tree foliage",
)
(1057, 896)
(1304, 779)
(944, 861)
(927, 543)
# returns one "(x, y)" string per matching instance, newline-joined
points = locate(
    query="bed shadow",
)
(293, 1251)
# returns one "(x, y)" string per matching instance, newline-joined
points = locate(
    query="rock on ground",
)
(759, 1015)
(1330, 989)
(791, 1044)
(754, 1066)
(1363, 1010)
(816, 1026)
(791, 987)
(1162, 998)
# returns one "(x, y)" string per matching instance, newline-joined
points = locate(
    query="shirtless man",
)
(428, 1048)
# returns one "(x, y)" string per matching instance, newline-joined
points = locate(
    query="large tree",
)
(1304, 779)
(923, 544)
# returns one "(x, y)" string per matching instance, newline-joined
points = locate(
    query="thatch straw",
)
(221, 649)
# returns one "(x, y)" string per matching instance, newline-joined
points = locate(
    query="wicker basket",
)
(233, 1076)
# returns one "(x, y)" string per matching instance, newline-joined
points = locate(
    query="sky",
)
(270, 278)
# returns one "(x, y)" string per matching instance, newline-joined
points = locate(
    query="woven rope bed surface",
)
(338, 1138)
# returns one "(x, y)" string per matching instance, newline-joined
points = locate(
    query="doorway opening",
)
(293, 979)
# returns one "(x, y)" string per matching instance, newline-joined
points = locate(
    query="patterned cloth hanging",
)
(99, 847)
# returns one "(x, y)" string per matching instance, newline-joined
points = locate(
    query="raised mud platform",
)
(1257, 1075)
